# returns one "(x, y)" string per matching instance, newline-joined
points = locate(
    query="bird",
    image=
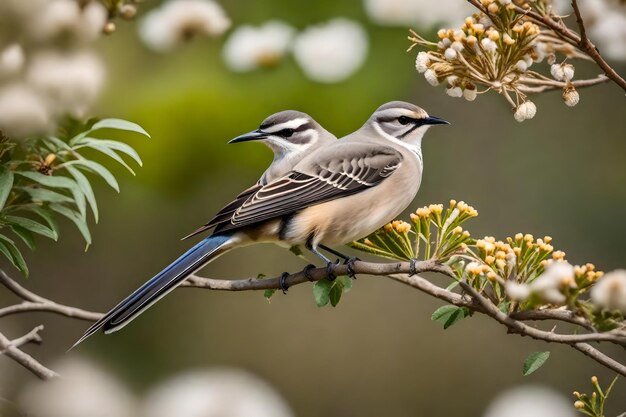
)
(338, 193)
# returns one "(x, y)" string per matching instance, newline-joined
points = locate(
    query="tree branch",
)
(11, 348)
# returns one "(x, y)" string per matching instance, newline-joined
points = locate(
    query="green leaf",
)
(7, 246)
(98, 169)
(45, 195)
(79, 200)
(47, 216)
(268, 293)
(335, 294)
(26, 236)
(534, 361)
(85, 187)
(32, 226)
(448, 315)
(113, 145)
(58, 143)
(321, 292)
(6, 183)
(80, 223)
(111, 154)
(119, 124)
(48, 180)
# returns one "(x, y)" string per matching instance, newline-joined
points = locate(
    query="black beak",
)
(254, 135)
(432, 120)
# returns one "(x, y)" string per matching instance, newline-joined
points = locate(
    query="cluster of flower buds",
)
(495, 48)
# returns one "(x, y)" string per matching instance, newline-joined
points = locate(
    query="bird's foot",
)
(282, 282)
(307, 272)
(412, 267)
(330, 270)
(350, 262)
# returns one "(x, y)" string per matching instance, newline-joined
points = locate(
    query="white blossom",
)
(606, 26)
(556, 70)
(332, 51)
(530, 401)
(62, 17)
(521, 65)
(177, 21)
(70, 82)
(11, 59)
(525, 111)
(454, 92)
(470, 94)
(250, 47)
(488, 45)
(549, 285)
(22, 111)
(516, 291)
(422, 62)
(571, 97)
(610, 291)
(421, 13)
(227, 393)
(83, 390)
(450, 54)
(431, 77)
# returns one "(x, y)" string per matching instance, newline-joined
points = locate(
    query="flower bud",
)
(454, 92)
(431, 77)
(470, 93)
(422, 62)
(450, 54)
(128, 11)
(571, 97)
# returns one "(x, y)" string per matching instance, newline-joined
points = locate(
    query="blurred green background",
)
(561, 174)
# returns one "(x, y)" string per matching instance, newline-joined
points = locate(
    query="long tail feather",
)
(161, 284)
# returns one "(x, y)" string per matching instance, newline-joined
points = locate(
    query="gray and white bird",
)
(338, 193)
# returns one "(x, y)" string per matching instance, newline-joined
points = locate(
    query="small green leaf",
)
(335, 294)
(47, 216)
(448, 315)
(6, 183)
(26, 236)
(534, 361)
(113, 145)
(32, 226)
(58, 143)
(48, 180)
(112, 154)
(98, 169)
(321, 292)
(119, 124)
(7, 246)
(85, 187)
(80, 223)
(268, 293)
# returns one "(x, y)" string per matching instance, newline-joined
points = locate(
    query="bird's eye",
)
(404, 120)
(286, 132)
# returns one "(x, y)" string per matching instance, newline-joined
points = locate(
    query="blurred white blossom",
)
(84, 390)
(180, 20)
(223, 393)
(549, 285)
(250, 47)
(22, 111)
(66, 17)
(11, 59)
(420, 13)
(606, 26)
(530, 401)
(332, 51)
(70, 82)
(610, 291)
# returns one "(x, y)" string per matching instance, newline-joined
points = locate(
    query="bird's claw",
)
(350, 262)
(412, 267)
(307, 272)
(282, 282)
(330, 271)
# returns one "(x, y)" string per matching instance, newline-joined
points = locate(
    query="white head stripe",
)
(290, 124)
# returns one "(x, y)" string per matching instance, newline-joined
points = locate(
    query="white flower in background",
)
(332, 51)
(525, 111)
(223, 393)
(84, 390)
(606, 26)
(530, 401)
(62, 17)
(22, 111)
(70, 82)
(180, 20)
(610, 291)
(11, 59)
(516, 291)
(250, 47)
(548, 286)
(421, 13)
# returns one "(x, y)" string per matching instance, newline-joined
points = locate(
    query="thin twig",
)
(10, 348)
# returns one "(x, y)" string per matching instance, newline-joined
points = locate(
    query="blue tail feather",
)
(159, 285)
